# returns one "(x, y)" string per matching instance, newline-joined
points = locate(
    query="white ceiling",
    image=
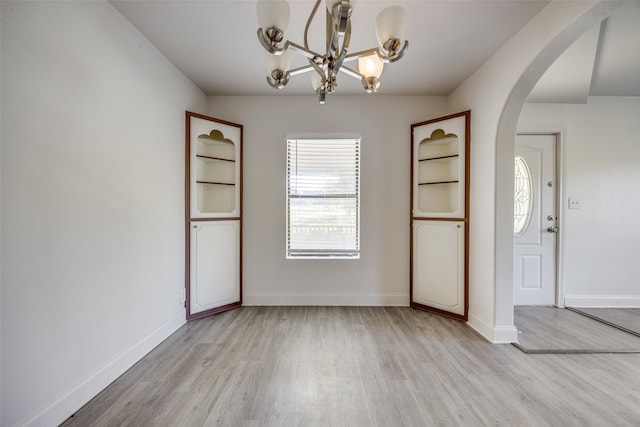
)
(214, 44)
(603, 62)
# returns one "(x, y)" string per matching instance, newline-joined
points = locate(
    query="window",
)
(323, 198)
(521, 197)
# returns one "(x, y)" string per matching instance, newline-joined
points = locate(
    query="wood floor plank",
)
(360, 366)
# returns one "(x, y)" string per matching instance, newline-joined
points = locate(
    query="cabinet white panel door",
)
(438, 265)
(215, 264)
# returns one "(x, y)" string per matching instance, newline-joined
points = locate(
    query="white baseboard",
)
(481, 327)
(58, 411)
(389, 300)
(602, 301)
(493, 334)
(496, 335)
(505, 334)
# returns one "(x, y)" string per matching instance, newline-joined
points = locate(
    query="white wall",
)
(92, 203)
(601, 241)
(381, 275)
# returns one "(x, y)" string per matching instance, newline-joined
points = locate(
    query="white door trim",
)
(560, 134)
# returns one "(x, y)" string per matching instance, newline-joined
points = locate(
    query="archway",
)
(505, 139)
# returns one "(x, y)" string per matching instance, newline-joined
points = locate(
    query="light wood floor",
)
(360, 366)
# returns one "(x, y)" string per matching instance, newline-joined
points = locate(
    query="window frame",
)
(352, 252)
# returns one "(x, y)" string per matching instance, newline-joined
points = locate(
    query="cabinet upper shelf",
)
(213, 170)
(201, 156)
(439, 182)
(450, 156)
(215, 183)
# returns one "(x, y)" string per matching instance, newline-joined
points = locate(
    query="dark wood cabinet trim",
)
(465, 219)
(214, 310)
(189, 219)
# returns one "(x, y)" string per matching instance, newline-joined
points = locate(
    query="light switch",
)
(574, 203)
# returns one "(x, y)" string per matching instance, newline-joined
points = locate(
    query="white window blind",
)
(323, 198)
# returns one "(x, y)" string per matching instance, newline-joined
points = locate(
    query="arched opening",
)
(505, 140)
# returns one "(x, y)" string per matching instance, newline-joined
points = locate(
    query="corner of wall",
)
(57, 412)
(493, 334)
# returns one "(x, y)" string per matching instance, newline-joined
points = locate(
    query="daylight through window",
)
(323, 198)
(521, 196)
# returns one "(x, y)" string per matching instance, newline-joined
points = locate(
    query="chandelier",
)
(273, 18)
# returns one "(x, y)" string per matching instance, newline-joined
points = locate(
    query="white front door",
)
(535, 221)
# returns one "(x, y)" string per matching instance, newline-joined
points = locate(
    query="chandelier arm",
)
(301, 70)
(266, 44)
(338, 34)
(347, 36)
(301, 50)
(308, 53)
(360, 54)
(280, 82)
(351, 72)
(339, 61)
(338, 40)
(306, 27)
(332, 37)
(396, 55)
(317, 68)
(371, 84)
(341, 13)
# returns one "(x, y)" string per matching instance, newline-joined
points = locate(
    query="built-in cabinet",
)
(440, 215)
(213, 188)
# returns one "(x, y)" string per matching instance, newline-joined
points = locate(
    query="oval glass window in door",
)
(522, 197)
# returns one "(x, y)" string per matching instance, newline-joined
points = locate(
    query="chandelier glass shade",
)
(273, 19)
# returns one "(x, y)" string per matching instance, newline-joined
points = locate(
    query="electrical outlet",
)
(183, 296)
(574, 203)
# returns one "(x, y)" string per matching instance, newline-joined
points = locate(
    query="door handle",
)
(552, 229)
